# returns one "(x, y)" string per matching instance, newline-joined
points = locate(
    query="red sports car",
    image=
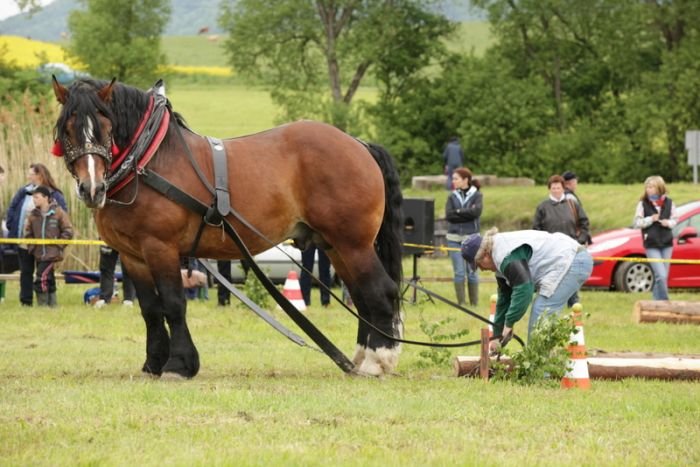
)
(627, 243)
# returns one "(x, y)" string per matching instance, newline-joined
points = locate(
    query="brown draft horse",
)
(305, 181)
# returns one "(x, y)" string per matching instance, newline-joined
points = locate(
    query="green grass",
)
(193, 50)
(232, 109)
(72, 393)
(224, 110)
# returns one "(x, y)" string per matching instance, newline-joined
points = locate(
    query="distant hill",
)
(187, 18)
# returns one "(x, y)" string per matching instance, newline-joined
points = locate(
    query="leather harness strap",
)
(254, 306)
(175, 194)
(221, 194)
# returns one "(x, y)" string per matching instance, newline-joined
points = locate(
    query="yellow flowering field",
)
(200, 70)
(25, 52)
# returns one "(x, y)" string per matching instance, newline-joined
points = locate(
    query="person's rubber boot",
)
(473, 293)
(42, 299)
(459, 291)
(53, 303)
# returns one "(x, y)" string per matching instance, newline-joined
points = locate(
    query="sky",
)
(9, 7)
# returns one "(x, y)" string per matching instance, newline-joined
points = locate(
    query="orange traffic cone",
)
(492, 316)
(292, 291)
(577, 375)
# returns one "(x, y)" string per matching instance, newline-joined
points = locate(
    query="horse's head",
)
(84, 136)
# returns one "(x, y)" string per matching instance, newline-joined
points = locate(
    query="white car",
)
(275, 264)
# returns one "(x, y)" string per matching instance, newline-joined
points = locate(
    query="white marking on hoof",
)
(388, 358)
(170, 376)
(359, 355)
(379, 362)
(370, 366)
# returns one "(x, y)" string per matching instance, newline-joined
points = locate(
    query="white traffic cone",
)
(577, 376)
(292, 291)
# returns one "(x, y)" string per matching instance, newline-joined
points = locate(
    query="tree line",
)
(606, 88)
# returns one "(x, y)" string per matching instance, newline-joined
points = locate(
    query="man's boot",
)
(473, 293)
(459, 291)
(42, 299)
(53, 303)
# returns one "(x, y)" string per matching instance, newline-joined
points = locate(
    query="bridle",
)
(72, 153)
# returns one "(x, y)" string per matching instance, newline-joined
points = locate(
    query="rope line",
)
(427, 248)
(635, 259)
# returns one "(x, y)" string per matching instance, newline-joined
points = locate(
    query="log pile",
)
(679, 312)
(615, 366)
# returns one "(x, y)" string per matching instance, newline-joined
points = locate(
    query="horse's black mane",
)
(127, 106)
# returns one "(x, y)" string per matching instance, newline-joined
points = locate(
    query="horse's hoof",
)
(170, 376)
(370, 368)
(359, 355)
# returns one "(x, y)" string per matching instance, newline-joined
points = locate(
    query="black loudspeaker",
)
(9, 259)
(418, 224)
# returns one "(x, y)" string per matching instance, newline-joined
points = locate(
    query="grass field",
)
(72, 394)
(71, 391)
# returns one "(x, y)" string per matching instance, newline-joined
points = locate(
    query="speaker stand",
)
(415, 280)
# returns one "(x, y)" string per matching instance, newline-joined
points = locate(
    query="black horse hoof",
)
(179, 365)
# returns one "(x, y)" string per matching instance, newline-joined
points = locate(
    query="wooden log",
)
(615, 366)
(470, 366)
(644, 365)
(680, 312)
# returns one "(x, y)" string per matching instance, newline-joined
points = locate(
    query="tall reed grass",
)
(26, 137)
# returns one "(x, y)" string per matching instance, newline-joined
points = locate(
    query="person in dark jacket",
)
(453, 157)
(462, 212)
(20, 207)
(47, 221)
(570, 185)
(656, 216)
(559, 213)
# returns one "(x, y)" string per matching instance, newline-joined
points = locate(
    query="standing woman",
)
(462, 211)
(656, 216)
(20, 206)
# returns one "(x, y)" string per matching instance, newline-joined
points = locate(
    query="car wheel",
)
(634, 277)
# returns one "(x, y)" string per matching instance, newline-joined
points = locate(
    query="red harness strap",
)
(148, 154)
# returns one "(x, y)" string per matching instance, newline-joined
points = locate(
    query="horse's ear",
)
(60, 91)
(106, 92)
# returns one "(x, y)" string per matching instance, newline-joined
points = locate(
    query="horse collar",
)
(143, 146)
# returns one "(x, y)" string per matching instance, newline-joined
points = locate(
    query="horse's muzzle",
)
(93, 195)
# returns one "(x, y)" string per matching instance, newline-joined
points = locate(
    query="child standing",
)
(47, 221)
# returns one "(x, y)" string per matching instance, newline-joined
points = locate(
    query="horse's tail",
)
(389, 239)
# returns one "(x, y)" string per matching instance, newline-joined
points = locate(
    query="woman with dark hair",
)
(20, 206)
(462, 212)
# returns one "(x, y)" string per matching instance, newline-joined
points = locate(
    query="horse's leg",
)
(157, 338)
(184, 359)
(362, 309)
(164, 264)
(375, 296)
